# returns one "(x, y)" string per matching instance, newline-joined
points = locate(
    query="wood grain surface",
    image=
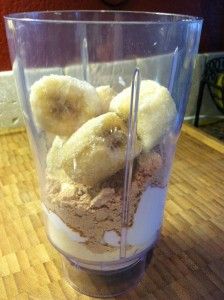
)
(188, 261)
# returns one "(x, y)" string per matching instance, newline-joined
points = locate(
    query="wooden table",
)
(188, 262)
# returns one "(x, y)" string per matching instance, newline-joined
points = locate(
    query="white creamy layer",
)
(70, 242)
(142, 234)
(147, 220)
(61, 226)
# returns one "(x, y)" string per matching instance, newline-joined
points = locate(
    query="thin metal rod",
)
(132, 135)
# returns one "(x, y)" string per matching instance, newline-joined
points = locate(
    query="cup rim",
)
(33, 17)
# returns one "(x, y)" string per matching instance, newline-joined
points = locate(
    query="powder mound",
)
(93, 210)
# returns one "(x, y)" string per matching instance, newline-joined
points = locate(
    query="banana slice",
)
(97, 149)
(61, 104)
(106, 94)
(156, 111)
(54, 161)
(54, 156)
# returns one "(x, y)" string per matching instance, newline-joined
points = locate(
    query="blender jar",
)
(103, 96)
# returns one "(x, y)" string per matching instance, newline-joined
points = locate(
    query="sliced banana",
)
(54, 156)
(106, 94)
(156, 111)
(54, 161)
(61, 104)
(97, 149)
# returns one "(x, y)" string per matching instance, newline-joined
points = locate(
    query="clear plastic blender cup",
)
(103, 96)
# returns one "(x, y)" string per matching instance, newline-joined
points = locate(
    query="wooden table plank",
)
(188, 262)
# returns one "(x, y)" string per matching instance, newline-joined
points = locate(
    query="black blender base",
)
(106, 284)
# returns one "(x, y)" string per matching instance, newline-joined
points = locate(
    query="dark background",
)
(212, 11)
